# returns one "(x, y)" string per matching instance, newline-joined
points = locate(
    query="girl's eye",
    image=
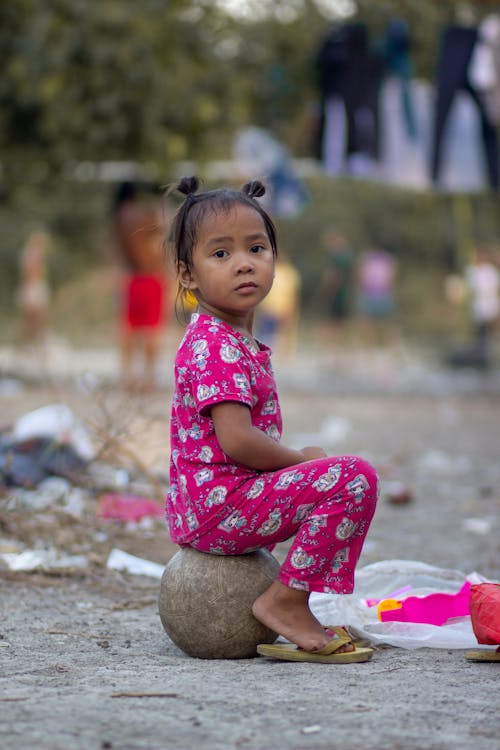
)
(220, 253)
(257, 248)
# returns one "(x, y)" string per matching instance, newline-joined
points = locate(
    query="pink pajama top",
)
(214, 363)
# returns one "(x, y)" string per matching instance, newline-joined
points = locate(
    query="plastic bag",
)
(379, 581)
(43, 559)
(57, 422)
(485, 613)
(128, 507)
(120, 560)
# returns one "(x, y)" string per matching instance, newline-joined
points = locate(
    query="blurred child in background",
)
(139, 229)
(33, 292)
(279, 312)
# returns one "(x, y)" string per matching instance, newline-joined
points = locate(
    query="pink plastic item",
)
(394, 595)
(434, 609)
(128, 507)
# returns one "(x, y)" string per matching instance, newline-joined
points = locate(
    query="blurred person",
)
(455, 294)
(139, 228)
(336, 286)
(279, 312)
(483, 285)
(33, 292)
(377, 308)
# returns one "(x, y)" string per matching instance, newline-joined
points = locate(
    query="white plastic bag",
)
(55, 421)
(120, 560)
(42, 559)
(379, 581)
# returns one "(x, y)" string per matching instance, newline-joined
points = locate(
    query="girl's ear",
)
(185, 278)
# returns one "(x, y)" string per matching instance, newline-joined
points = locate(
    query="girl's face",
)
(232, 266)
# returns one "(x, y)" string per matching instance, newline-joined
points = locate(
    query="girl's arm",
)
(248, 445)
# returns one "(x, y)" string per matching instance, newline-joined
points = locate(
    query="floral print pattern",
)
(218, 506)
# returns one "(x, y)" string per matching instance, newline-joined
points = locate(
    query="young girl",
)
(234, 487)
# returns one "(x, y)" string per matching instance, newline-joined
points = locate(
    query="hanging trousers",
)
(457, 45)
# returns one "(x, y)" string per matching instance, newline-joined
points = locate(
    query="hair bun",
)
(188, 185)
(254, 189)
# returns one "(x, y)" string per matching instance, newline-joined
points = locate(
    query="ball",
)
(205, 602)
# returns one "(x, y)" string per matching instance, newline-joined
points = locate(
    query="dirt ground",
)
(85, 662)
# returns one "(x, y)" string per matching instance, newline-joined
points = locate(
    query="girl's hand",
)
(311, 452)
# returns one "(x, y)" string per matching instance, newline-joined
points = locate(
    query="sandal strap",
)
(341, 638)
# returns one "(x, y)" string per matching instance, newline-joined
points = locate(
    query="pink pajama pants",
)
(328, 504)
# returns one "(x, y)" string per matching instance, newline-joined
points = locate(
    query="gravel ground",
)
(86, 664)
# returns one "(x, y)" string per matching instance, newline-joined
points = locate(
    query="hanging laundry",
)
(258, 153)
(399, 65)
(456, 50)
(484, 66)
(349, 71)
(405, 113)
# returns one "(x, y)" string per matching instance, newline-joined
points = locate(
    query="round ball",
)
(205, 602)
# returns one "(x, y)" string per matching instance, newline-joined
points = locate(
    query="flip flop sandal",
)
(483, 655)
(327, 655)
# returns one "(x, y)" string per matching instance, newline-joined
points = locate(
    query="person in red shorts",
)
(139, 230)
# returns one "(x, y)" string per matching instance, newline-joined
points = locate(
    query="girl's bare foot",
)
(286, 611)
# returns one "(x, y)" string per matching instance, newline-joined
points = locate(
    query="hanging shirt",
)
(483, 280)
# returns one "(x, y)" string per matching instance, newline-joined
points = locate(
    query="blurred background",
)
(374, 126)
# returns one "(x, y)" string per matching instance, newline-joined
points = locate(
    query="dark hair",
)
(196, 206)
(125, 191)
(131, 190)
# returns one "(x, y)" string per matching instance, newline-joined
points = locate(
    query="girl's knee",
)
(360, 473)
(365, 480)
(369, 472)
(360, 466)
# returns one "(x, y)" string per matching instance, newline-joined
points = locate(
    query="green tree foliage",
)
(111, 80)
(163, 80)
(159, 81)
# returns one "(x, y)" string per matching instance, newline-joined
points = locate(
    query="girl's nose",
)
(244, 264)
